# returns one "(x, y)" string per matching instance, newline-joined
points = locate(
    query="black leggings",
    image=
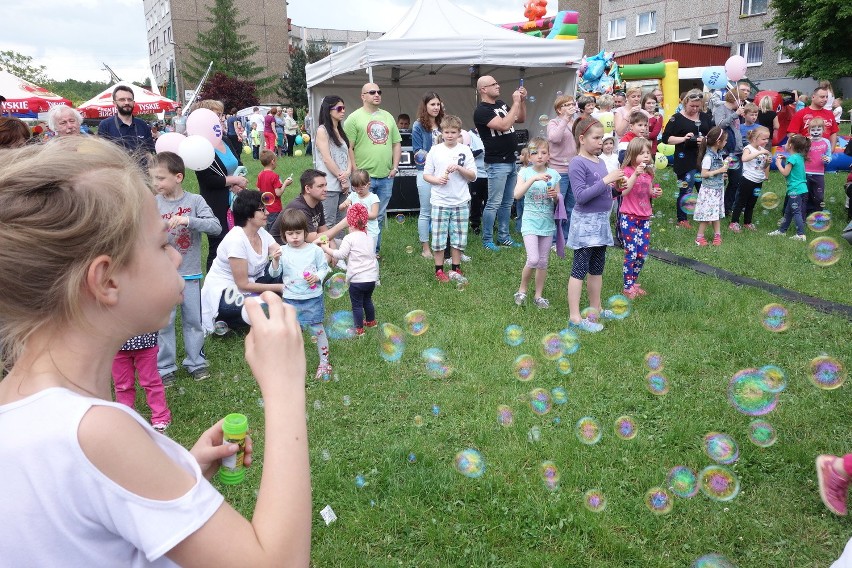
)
(361, 295)
(746, 199)
(588, 260)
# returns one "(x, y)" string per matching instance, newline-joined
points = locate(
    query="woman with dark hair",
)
(241, 262)
(335, 157)
(686, 129)
(14, 133)
(269, 135)
(425, 132)
(218, 181)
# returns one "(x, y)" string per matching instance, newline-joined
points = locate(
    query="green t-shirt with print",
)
(372, 137)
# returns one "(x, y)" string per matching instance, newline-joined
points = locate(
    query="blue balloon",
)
(714, 77)
(299, 140)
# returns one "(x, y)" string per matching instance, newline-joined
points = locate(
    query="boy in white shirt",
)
(449, 167)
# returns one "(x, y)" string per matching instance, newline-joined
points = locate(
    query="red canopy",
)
(25, 99)
(147, 102)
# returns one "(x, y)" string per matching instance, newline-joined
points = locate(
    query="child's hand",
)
(613, 176)
(344, 205)
(452, 168)
(178, 220)
(275, 253)
(274, 339)
(311, 278)
(209, 450)
(542, 177)
(444, 179)
(826, 159)
(288, 181)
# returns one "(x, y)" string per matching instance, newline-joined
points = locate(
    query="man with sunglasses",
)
(377, 146)
(495, 123)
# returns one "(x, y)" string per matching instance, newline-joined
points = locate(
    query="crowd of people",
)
(130, 258)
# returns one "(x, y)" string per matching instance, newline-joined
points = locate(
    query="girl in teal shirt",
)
(797, 186)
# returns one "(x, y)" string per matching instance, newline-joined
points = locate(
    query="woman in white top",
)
(334, 156)
(291, 128)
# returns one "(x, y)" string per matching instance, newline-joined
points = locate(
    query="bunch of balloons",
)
(535, 9)
(719, 77)
(204, 130)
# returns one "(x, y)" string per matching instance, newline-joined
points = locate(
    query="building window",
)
(708, 30)
(617, 28)
(752, 52)
(753, 7)
(646, 23)
(783, 49)
(680, 34)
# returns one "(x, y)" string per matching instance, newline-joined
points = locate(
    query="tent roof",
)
(147, 102)
(437, 32)
(27, 99)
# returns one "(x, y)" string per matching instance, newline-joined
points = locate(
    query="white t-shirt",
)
(60, 510)
(753, 169)
(610, 160)
(257, 119)
(372, 224)
(455, 191)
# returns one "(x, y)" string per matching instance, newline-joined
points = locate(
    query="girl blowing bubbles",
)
(634, 216)
(538, 186)
(590, 233)
(710, 206)
(112, 488)
(755, 170)
(792, 167)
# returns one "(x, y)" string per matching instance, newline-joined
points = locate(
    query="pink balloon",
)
(169, 142)
(735, 67)
(204, 122)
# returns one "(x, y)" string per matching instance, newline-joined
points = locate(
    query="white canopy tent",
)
(440, 47)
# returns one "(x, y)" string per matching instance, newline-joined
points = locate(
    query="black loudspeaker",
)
(405, 197)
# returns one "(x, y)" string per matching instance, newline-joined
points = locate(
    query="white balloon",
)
(169, 142)
(197, 152)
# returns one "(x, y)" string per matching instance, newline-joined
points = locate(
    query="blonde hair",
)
(755, 132)
(62, 205)
(216, 106)
(451, 122)
(605, 102)
(524, 156)
(561, 100)
(534, 144)
(634, 148)
(765, 103)
(750, 107)
(359, 178)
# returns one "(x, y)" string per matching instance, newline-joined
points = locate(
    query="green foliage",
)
(294, 85)
(76, 91)
(22, 66)
(228, 49)
(821, 28)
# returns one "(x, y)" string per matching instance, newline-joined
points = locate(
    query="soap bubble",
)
(824, 251)
(558, 395)
(267, 198)
(420, 157)
(543, 120)
(336, 285)
(505, 416)
(534, 434)
(769, 200)
(761, 433)
(625, 427)
(619, 305)
(591, 314)
(409, 249)
(418, 420)
(392, 342)
(563, 366)
(819, 221)
(436, 364)
(470, 463)
(712, 561)
(416, 322)
(659, 501)
(721, 448)
(558, 93)
(340, 325)
(719, 483)
(360, 481)
(588, 430)
(654, 361)
(827, 372)
(412, 457)
(775, 318)
(688, 202)
(549, 475)
(682, 481)
(658, 384)
(347, 400)
(436, 410)
(531, 98)
(513, 335)
(524, 367)
(774, 378)
(540, 401)
(594, 500)
(748, 394)
(220, 328)
(400, 218)
(551, 346)
(570, 341)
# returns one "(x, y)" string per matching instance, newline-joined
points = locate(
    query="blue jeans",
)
(424, 221)
(501, 186)
(568, 198)
(794, 212)
(383, 187)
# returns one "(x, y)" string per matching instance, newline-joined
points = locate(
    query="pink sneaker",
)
(832, 487)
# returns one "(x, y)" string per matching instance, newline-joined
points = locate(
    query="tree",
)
(76, 91)
(228, 49)
(816, 31)
(22, 66)
(294, 85)
(234, 93)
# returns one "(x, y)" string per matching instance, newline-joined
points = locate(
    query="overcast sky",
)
(75, 39)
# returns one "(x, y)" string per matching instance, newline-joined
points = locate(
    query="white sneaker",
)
(465, 258)
(798, 238)
(775, 234)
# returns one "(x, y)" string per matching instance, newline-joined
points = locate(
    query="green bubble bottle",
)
(234, 428)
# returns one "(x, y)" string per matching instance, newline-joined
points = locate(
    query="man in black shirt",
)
(124, 129)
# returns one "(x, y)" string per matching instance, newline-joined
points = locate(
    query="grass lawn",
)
(374, 417)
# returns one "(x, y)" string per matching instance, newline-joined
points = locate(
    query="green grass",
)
(426, 514)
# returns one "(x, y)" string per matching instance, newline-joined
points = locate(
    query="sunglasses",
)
(694, 97)
(339, 108)
(491, 85)
(378, 92)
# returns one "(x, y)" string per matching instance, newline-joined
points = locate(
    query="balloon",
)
(298, 140)
(660, 161)
(169, 142)
(246, 150)
(735, 67)
(204, 122)
(306, 138)
(714, 77)
(197, 152)
(666, 149)
(297, 153)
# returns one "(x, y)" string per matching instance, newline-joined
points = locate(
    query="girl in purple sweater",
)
(590, 233)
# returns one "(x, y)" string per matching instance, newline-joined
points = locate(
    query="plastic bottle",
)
(234, 428)
(307, 275)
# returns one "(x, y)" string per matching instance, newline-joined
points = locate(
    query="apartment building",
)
(336, 40)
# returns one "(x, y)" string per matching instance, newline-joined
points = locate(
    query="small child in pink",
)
(634, 214)
(139, 354)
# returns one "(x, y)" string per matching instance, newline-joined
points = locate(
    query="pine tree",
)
(228, 49)
(294, 84)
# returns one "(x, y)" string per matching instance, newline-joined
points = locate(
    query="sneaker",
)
(735, 227)
(799, 238)
(717, 240)
(750, 227)
(161, 427)
(542, 303)
(324, 371)
(701, 241)
(632, 292)
(465, 258)
(520, 298)
(509, 243)
(608, 315)
(169, 379)
(441, 276)
(553, 248)
(373, 323)
(586, 325)
(684, 225)
(200, 374)
(359, 332)
(775, 233)
(832, 487)
(491, 246)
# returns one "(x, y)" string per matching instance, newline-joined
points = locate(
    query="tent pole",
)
(370, 74)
